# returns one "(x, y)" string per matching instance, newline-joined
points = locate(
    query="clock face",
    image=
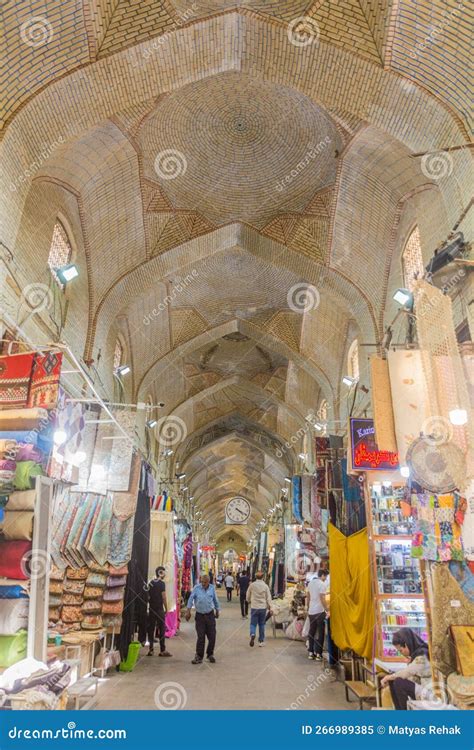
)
(238, 510)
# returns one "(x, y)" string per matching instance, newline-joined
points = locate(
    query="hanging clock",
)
(237, 510)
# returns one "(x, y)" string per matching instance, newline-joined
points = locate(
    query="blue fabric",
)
(13, 592)
(297, 499)
(205, 600)
(21, 436)
(461, 572)
(257, 617)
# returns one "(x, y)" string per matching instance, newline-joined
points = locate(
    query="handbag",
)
(114, 595)
(71, 614)
(77, 574)
(123, 571)
(55, 587)
(112, 621)
(96, 568)
(112, 608)
(55, 600)
(113, 581)
(56, 574)
(92, 607)
(91, 622)
(14, 556)
(73, 600)
(18, 524)
(74, 587)
(96, 579)
(54, 614)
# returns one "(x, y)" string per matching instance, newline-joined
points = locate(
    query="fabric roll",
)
(20, 436)
(13, 558)
(13, 616)
(15, 376)
(8, 449)
(26, 473)
(410, 397)
(7, 464)
(352, 609)
(24, 500)
(12, 589)
(18, 524)
(22, 419)
(306, 497)
(29, 452)
(12, 648)
(296, 497)
(44, 385)
(382, 405)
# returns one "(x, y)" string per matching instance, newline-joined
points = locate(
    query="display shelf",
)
(396, 577)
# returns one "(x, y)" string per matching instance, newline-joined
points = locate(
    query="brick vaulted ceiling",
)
(217, 164)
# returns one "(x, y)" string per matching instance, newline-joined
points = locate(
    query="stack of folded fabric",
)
(33, 685)
(14, 601)
(112, 605)
(93, 597)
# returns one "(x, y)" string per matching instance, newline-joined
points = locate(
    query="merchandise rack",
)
(396, 577)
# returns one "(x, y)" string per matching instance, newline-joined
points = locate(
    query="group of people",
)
(404, 684)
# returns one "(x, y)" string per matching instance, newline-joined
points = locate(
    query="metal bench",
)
(84, 689)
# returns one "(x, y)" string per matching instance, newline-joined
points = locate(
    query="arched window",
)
(412, 260)
(118, 354)
(353, 360)
(60, 251)
(323, 411)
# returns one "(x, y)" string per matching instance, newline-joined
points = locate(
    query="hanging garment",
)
(15, 376)
(384, 422)
(436, 532)
(14, 558)
(450, 607)
(120, 541)
(306, 497)
(44, 386)
(352, 609)
(98, 545)
(124, 467)
(297, 500)
(410, 397)
(162, 551)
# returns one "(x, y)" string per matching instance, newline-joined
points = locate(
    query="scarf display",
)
(352, 612)
(467, 528)
(296, 497)
(437, 518)
(15, 375)
(306, 497)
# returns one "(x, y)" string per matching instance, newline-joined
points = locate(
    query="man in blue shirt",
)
(204, 598)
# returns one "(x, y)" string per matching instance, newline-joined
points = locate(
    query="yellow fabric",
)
(352, 609)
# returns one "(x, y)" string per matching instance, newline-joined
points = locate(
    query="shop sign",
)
(208, 548)
(365, 454)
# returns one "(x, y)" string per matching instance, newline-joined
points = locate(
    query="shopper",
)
(204, 598)
(229, 585)
(407, 683)
(157, 611)
(242, 588)
(260, 599)
(317, 612)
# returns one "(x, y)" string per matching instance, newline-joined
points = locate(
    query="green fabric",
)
(12, 648)
(25, 473)
(132, 656)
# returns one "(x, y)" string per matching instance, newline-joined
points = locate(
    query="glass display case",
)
(396, 576)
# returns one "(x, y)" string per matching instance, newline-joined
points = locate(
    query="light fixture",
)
(123, 370)
(59, 437)
(404, 297)
(180, 476)
(288, 479)
(405, 471)
(318, 426)
(192, 497)
(152, 423)
(348, 380)
(458, 417)
(66, 273)
(184, 489)
(302, 456)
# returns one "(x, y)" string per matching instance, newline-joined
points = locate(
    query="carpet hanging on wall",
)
(352, 611)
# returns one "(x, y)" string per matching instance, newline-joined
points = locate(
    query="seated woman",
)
(407, 683)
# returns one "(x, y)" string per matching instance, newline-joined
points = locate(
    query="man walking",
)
(204, 598)
(242, 587)
(317, 611)
(229, 585)
(157, 611)
(260, 598)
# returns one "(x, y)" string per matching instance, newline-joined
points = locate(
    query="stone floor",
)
(278, 676)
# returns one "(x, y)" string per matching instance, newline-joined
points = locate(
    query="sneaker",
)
(312, 656)
(261, 644)
(150, 653)
(197, 660)
(212, 659)
(252, 640)
(318, 657)
(165, 653)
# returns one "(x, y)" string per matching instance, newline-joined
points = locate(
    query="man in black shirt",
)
(242, 587)
(157, 611)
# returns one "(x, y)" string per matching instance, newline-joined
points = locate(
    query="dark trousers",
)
(401, 690)
(244, 605)
(229, 594)
(205, 627)
(316, 633)
(156, 620)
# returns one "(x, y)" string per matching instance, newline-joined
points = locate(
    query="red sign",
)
(365, 454)
(207, 548)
